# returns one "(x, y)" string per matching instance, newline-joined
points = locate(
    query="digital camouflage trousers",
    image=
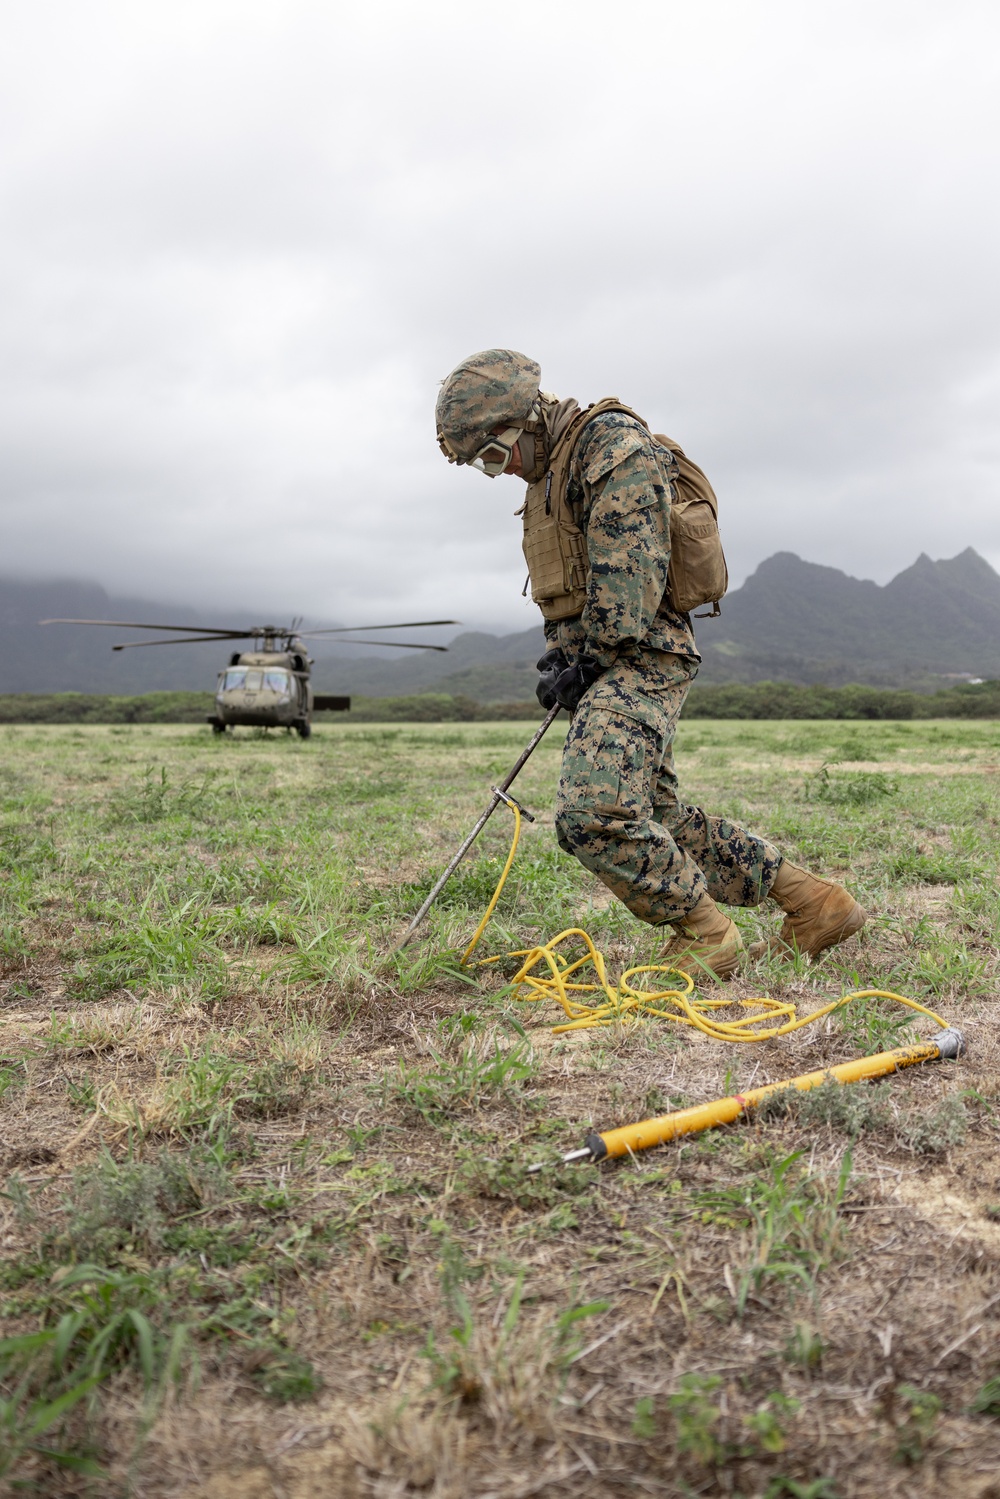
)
(618, 810)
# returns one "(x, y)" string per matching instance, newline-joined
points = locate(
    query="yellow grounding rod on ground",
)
(627, 1000)
(632, 1137)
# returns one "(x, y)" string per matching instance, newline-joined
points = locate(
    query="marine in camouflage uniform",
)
(618, 809)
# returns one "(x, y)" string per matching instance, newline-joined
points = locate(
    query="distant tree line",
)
(733, 700)
(85, 707)
(784, 700)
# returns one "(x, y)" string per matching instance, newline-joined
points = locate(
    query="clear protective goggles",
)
(498, 449)
(495, 454)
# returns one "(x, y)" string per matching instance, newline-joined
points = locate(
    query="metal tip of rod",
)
(572, 1155)
(950, 1043)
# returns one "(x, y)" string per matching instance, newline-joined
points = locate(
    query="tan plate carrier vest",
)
(555, 548)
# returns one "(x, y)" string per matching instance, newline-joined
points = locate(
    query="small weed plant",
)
(851, 1108)
(986, 1401)
(481, 1070)
(696, 1418)
(768, 1423)
(920, 1410)
(103, 1320)
(794, 1230)
(859, 788)
(937, 1130)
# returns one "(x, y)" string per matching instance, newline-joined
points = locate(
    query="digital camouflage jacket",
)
(619, 493)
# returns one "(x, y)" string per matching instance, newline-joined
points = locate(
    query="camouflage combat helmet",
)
(497, 388)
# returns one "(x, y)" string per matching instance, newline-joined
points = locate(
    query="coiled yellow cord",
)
(625, 1001)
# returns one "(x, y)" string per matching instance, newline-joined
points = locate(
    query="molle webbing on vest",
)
(555, 548)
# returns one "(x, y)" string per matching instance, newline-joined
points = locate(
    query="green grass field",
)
(267, 1223)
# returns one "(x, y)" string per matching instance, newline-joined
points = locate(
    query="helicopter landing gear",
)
(304, 727)
(218, 727)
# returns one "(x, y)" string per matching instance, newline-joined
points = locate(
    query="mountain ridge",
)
(792, 620)
(810, 623)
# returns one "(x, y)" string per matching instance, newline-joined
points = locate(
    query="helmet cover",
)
(496, 388)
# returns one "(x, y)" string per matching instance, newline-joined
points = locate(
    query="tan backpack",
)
(556, 551)
(698, 573)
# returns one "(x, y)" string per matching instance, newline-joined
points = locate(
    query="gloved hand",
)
(573, 681)
(551, 665)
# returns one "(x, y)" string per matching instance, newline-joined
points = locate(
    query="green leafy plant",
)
(986, 1401)
(874, 1025)
(455, 1084)
(915, 1431)
(767, 1424)
(568, 1329)
(103, 1320)
(854, 1108)
(793, 1226)
(696, 1418)
(27, 1418)
(114, 1206)
(804, 1347)
(18, 1194)
(933, 1132)
(283, 1375)
(509, 1179)
(782, 1487)
(859, 788)
(15, 950)
(644, 1420)
(265, 926)
(82, 1094)
(13, 1074)
(155, 797)
(948, 965)
(171, 949)
(487, 1363)
(200, 1094)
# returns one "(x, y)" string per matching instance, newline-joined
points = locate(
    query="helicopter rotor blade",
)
(417, 624)
(131, 624)
(398, 645)
(130, 645)
(213, 633)
(402, 645)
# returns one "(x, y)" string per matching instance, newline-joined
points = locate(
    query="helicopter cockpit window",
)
(240, 677)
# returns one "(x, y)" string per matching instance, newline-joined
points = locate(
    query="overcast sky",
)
(244, 240)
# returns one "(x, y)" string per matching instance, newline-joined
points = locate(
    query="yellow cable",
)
(480, 929)
(624, 1001)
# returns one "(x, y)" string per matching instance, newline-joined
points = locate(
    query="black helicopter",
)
(268, 686)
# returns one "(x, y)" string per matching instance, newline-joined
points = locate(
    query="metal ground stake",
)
(495, 802)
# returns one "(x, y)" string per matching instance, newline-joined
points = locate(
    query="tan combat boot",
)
(706, 943)
(818, 913)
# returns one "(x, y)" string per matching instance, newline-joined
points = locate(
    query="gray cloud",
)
(247, 240)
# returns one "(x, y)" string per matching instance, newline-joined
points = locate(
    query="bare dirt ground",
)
(267, 1224)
